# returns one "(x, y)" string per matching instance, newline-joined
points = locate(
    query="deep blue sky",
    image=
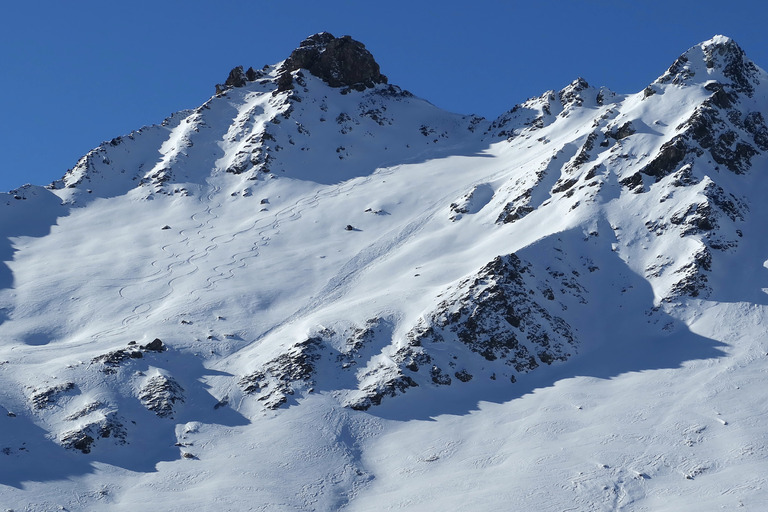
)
(77, 73)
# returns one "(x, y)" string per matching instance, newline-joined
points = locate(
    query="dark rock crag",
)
(338, 61)
(160, 395)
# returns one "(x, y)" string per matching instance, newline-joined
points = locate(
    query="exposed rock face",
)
(493, 315)
(236, 77)
(571, 95)
(155, 345)
(516, 209)
(718, 128)
(43, 398)
(496, 316)
(620, 132)
(339, 62)
(160, 394)
(283, 375)
(116, 357)
(693, 281)
(295, 373)
(111, 361)
(372, 394)
(83, 437)
(725, 54)
(252, 75)
(721, 54)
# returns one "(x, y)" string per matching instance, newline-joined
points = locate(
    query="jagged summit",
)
(719, 58)
(338, 61)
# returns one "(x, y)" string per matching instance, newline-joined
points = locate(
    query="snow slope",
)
(311, 297)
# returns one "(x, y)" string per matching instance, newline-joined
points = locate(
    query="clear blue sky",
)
(77, 73)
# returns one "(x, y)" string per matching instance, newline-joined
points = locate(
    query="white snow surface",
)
(237, 232)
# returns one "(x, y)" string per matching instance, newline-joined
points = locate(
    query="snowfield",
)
(322, 298)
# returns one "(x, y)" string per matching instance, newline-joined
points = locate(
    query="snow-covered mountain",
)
(317, 291)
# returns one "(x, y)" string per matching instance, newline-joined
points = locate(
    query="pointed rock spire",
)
(236, 77)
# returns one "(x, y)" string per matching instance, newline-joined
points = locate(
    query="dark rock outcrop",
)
(252, 75)
(43, 398)
(730, 58)
(285, 374)
(374, 393)
(621, 132)
(83, 437)
(693, 281)
(338, 61)
(236, 78)
(571, 95)
(160, 395)
(668, 159)
(721, 54)
(155, 345)
(496, 315)
(717, 128)
(516, 209)
(116, 357)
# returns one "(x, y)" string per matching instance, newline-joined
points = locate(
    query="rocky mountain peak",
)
(571, 94)
(338, 61)
(719, 58)
(723, 54)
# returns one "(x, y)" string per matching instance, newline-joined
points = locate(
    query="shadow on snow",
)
(618, 331)
(28, 453)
